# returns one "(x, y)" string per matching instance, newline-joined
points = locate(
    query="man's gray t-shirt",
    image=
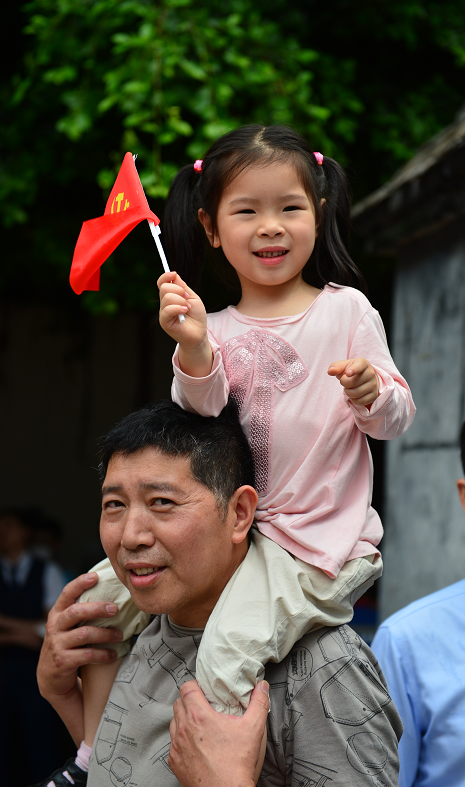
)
(332, 721)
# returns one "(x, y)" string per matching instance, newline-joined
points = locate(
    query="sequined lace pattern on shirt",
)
(255, 363)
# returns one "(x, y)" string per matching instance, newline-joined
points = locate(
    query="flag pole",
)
(155, 230)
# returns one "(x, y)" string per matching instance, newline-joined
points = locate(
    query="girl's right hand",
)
(195, 354)
(177, 298)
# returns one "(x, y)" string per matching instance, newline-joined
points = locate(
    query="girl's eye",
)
(246, 210)
(292, 207)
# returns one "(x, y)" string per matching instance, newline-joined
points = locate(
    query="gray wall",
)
(63, 383)
(424, 543)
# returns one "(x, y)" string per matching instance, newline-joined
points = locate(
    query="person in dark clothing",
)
(29, 586)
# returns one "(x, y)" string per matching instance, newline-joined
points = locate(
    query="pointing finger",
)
(356, 366)
(338, 367)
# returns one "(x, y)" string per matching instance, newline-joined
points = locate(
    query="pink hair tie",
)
(319, 157)
(198, 165)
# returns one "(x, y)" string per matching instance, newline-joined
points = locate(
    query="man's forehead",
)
(148, 468)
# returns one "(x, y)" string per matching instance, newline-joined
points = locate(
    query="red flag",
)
(127, 206)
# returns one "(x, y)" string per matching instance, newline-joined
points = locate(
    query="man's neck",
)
(184, 630)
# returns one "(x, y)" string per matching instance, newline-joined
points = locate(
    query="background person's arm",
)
(68, 646)
(385, 648)
(18, 631)
(213, 749)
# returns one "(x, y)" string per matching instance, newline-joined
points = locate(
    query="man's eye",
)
(112, 504)
(163, 502)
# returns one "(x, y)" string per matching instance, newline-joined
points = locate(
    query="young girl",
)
(277, 216)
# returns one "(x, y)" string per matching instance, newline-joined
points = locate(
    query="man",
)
(177, 506)
(421, 650)
(29, 586)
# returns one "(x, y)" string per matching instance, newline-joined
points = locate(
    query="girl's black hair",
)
(185, 240)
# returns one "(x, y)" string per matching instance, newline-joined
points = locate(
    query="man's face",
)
(166, 538)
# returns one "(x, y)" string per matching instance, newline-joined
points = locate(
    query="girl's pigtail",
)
(183, 237)
(333, 261)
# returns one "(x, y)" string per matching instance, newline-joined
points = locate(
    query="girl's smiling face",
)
(265, 226)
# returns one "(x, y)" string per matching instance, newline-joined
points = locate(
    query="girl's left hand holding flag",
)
(126, 207)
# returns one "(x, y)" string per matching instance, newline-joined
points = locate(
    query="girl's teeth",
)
(142, 571)
(270, 253)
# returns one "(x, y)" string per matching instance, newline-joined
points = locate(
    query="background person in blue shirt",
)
(421, 650)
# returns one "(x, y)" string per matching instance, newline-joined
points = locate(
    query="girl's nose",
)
(271, 227)
(138, 530)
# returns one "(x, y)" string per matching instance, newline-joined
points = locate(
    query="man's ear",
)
(206, 223)
(243, 504)
(461, 490)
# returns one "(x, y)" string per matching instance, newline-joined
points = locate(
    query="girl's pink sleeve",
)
(393, 411)
(203, 395)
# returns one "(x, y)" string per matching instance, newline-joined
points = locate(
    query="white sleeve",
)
(400, 681)
(54, 582)
(391, 414)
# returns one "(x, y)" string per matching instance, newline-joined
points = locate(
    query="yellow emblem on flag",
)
(119, 198)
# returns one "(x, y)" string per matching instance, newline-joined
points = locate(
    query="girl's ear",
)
(206, 223)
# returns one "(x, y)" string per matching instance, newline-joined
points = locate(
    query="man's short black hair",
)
(218, 450)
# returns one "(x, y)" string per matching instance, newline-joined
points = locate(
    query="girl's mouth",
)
(271, 254)
(271, 257)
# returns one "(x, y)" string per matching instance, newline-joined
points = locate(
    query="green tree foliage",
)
(171, 75)
(366, 81)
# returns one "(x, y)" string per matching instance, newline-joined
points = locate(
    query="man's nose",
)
(138, 529)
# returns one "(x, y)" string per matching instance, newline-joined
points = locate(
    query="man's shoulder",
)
(320, 654)
(427, 610)
(331, 713)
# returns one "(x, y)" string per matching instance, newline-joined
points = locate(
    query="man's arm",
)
(217, 750)
(64, 651)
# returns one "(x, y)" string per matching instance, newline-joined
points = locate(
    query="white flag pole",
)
(155, 230)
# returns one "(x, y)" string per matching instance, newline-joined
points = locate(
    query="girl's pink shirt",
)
(313, 466)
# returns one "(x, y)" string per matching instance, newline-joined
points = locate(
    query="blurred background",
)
(379, 86)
